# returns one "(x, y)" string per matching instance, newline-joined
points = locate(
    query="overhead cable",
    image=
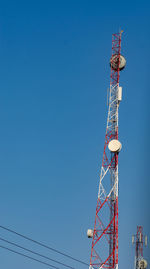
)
(29, 257)
(43, 245)
(36, 253)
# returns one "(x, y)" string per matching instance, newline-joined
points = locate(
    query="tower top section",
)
(117, 61)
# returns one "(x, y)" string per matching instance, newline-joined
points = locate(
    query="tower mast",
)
(104, 250)
(139, 239)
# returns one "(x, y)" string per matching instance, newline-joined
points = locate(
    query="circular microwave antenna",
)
(142, 264)
(90, 233)
(114, 145)
(114, 62)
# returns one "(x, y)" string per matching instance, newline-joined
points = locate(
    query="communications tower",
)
(139, 240)
(104, 250)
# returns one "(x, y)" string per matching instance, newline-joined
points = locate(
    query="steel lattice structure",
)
(104, 250)
(139, 239)
(139, 245)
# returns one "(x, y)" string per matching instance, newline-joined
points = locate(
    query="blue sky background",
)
(54, 75)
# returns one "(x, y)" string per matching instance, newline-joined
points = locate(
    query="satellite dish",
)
(90, 233)
(114, 62)
(142, 264)
(114, 145)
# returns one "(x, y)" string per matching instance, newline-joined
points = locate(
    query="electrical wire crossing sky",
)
(54, 76)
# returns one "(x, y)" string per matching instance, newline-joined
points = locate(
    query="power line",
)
(36, 253)
(29, 257)
(43, 245)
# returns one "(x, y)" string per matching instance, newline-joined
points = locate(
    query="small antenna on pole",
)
(146, 240)
(140, 237)
(120, 31)
(132, 239)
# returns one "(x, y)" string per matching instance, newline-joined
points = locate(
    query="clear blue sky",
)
(54, 75)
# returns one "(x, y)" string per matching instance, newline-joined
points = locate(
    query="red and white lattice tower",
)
(139, 239)
(104, 250)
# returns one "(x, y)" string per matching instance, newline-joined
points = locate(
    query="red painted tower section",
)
(104, 250)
